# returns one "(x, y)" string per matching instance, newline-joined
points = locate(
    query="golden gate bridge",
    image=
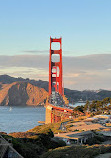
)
(57, 105)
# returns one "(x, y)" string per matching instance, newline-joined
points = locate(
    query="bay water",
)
(20, 119)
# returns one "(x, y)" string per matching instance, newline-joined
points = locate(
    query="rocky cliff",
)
(21, 93)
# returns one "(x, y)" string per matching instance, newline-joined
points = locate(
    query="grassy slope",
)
(34, 142)
(77, 151)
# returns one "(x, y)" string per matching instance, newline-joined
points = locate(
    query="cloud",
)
(33, 73)
(82, 72)
(69, 75)
(70, 83)
(35, 51)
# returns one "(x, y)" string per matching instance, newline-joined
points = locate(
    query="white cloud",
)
(31, 72)
(71, 75)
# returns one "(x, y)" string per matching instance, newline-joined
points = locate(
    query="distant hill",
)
(75, 96)
(72, 95)
(22, 93)
(6, 79)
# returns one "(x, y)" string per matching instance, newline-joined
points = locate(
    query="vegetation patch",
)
(94, 108)
(54, 127)
(34, 142)
(77, 151)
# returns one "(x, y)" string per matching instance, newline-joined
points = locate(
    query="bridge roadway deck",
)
(57, 108)
(68, 109)
(57, 113)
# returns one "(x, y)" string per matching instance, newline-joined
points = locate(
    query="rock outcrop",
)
(21, 94)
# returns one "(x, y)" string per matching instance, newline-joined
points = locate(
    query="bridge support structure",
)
(56, 104)
(56, 114)
(55, 68)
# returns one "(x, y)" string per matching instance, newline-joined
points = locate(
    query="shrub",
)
(54, 127)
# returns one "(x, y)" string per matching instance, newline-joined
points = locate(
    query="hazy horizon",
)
(80, 73)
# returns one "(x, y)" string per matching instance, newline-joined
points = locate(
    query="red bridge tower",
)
(56, 103)
(55, 68)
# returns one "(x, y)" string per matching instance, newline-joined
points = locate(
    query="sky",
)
(85, 28)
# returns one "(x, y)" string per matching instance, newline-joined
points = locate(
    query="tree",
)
(86, 106)
(92, 106)
(79, 108)
(106, 100)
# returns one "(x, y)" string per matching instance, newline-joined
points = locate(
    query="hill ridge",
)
(22, 93)
(72, 95)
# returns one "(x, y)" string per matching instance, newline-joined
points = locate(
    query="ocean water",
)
(19, 119)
